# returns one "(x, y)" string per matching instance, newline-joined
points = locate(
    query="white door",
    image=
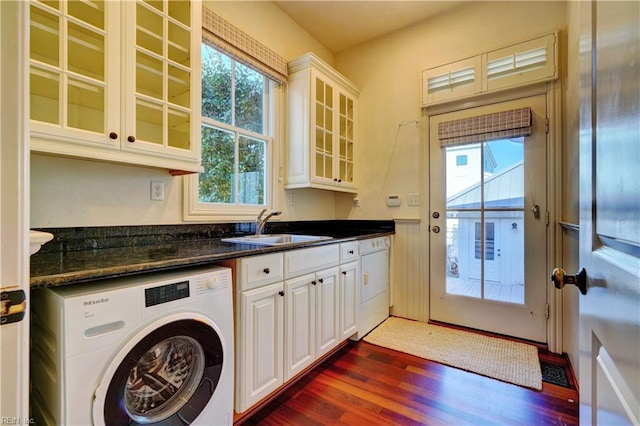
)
(348, 300)
(327, 310)
(488, 233)
(260, 353)
(14, 212)
(610, 213)
(300, 324)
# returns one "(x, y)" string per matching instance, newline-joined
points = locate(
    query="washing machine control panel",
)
(166, 293)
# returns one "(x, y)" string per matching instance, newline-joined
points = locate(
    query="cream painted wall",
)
(69, 192)
(388, 72)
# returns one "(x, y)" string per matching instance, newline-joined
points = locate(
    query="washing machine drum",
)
(167, 378)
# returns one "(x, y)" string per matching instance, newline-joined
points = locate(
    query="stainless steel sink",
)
(275, 239)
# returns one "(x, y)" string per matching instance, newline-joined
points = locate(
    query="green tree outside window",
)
(234, 148)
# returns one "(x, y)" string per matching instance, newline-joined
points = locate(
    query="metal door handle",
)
(560, 279)
(435, 229)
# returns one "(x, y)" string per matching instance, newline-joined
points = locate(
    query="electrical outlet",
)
(157, 190)
(292, 198)
(413, 200)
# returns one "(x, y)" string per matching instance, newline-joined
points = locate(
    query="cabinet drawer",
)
(257, 271)
(298, 262)
(349, 252)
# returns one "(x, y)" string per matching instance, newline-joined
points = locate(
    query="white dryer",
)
(150, 349)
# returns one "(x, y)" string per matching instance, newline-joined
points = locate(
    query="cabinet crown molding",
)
(310, 59)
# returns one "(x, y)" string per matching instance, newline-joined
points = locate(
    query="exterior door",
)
(14, 212)
(610, 213)
(489, 236)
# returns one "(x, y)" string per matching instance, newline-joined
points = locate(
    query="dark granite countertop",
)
(77, 255)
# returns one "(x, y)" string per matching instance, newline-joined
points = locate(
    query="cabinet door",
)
(322, 133)
(327, 300)
(259, 366)
(73, 72)
(300, 324)
(346, 140)
(349, 301)
(161, 90)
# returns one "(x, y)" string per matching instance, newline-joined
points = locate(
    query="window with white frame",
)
(234, 132)
(242, 82)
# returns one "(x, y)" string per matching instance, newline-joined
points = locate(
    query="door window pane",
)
(503, 170)
(485, 220)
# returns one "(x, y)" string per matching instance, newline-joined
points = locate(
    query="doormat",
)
(554, 374)
(501, 359)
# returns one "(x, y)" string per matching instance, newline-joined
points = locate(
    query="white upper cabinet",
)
(322, 127)
(117, 81)
(528, 62)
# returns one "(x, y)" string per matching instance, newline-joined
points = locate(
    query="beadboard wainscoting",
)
(409, 271)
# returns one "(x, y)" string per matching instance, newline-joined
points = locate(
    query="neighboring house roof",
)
(504, 189)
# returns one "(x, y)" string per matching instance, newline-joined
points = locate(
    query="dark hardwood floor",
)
(363, 384)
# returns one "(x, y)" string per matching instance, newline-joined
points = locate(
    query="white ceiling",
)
(341, 24)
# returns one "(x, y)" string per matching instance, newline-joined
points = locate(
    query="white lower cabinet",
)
(283, 327)
(259, 328)
(328, 311)
(300, 329)
(260, 345)
(349, 299)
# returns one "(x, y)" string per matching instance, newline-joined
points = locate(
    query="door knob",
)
(435, 229)
(560, 278)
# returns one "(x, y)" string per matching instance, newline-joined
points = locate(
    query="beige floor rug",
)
(500, 359)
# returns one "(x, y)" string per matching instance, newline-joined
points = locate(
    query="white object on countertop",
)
(37, 239)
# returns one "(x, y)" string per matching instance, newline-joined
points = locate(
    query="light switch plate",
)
(413, 200)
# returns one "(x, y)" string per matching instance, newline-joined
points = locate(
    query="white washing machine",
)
(154, 349)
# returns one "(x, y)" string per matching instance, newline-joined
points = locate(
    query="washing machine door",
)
(165, 375)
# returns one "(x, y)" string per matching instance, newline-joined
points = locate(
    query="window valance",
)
(513, 123)
(242, 47)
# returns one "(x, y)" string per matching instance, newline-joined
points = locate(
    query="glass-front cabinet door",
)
(73, 71)
(333, 133)
(120, 75)
(324, 128)
(346, 139)
(159, 77)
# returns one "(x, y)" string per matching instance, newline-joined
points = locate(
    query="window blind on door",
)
(242, 47)
(513, 123)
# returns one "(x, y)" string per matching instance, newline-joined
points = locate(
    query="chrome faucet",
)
(260, 222)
